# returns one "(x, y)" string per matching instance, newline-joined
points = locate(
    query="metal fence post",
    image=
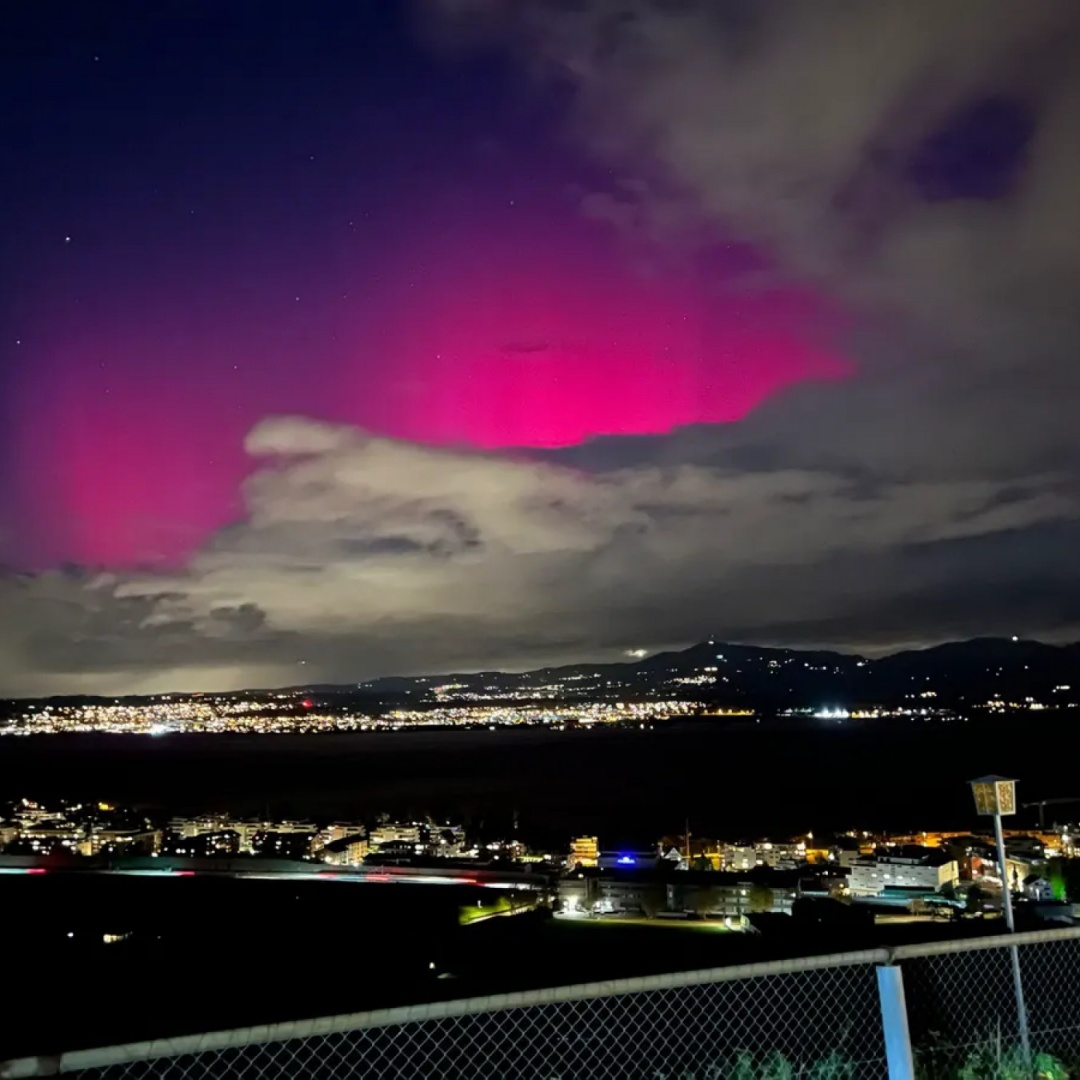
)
(1014, 953)
(894, 1022)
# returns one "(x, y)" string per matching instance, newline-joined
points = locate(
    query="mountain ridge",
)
(724, 673)
(978, 668)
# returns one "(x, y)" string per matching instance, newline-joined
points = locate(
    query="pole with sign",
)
(996, 796)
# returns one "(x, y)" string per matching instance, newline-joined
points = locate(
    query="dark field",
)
(728, 778)
(202, 954)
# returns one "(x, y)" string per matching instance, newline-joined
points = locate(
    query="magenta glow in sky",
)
(133, 436)
(410, 257)
(535, 339)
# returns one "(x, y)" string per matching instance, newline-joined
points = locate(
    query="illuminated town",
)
(930, 875)
(281, 714)
(709, 680)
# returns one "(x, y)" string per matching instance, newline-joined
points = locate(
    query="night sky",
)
(356, 338)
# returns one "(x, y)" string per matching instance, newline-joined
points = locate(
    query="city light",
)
(282, 713)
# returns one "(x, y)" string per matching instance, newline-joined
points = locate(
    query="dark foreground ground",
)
(204, 954)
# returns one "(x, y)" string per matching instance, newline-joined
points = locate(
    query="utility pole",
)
(994, 796)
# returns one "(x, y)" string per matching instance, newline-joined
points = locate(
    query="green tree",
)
(760, 898)
(1069, 870)
(593, 892)
(654, 899)
(704, 900)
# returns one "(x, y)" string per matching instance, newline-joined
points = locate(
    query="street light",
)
(996, 796)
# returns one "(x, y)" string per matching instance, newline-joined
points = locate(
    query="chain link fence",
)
(815, 1018)
(962, 1007)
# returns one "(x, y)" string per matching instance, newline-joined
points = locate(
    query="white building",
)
(780, 856)
(608, 895)
(846, 857)
(739, 858)
(714, 895)
(1038, 888)
(186, 827)
(446, 840)
(345, 851)
(337, 830)
(874, 875)
(395, 833)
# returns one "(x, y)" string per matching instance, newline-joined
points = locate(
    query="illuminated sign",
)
(994, 795)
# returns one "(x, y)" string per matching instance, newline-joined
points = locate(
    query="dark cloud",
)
(978, 153)
(360, 556)
(914, 160)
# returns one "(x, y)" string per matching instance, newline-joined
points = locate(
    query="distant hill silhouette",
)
(963, 672)
(958, 673)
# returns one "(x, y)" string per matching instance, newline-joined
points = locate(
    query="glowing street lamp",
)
(994, 797)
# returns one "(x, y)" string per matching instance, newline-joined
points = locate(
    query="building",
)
(396, 832)
(1038, 888)
(1019, 868)
(697, 893)
(345, 851)
(395, 852)
(446, 840)
(584, 851)
(512, 849)
(846, 851)
(337, 830)
(780, 856)
(246, 830)
(186, 827)
(612, 894)
(734, 896)
(46, 836)
(125, 841)
(205, 844)
(282, 845)
(916, 872)
(617, 860)
(738, 858)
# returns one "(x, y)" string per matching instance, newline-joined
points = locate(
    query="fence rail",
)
(815, 1017)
